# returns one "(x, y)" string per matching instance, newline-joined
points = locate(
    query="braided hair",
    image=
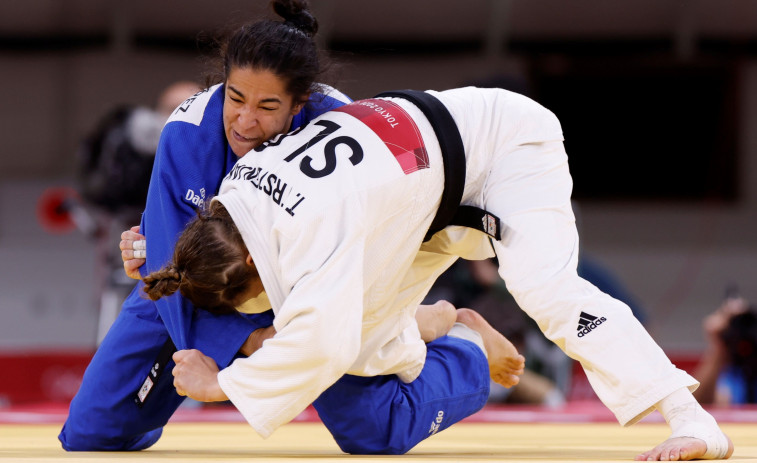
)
(209, 264)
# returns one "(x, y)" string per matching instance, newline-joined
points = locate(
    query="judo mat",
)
(573, 433)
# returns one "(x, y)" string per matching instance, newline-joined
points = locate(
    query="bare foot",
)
(435, 320)
(681, 449)
(505, 363)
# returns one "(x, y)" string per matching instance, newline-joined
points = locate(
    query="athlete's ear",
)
(248, 260)
(297, 107)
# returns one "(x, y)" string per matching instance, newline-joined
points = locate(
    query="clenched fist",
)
(196, 376)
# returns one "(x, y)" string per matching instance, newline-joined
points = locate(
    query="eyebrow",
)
(265, 100)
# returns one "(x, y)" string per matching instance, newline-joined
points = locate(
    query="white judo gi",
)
(334, 217)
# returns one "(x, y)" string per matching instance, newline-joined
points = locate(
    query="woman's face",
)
(256, 108)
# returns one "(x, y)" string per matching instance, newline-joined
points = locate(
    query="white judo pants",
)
(528, 186)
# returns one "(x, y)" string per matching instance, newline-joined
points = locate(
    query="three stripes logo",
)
(587, 323)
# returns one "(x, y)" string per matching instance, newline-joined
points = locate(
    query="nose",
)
(248, 118)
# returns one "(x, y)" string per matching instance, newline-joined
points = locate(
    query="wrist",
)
(248, 346)
(255, 340)
(218, 394)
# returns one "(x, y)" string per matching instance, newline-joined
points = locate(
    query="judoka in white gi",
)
(334, 217)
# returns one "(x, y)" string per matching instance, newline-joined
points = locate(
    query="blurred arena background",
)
(658, 101)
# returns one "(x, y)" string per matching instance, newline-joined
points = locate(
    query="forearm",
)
(306, 356)
(707, 373)
(255, 340)
(271, 389)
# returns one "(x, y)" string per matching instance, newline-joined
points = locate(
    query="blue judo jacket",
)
(193, 157)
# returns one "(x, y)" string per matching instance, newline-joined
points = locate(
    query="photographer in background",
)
(728, 368)
(115, 160)
(114, 164)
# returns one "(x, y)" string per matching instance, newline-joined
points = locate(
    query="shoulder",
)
(322, 101)
(194, 108)
(193, 138)
(197, 122)
(332, 95)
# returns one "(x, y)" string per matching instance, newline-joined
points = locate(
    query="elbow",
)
(337, 357)
(325, 341)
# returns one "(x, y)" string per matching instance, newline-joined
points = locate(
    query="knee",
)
(385, 446)
(378, 437)
(91, 439)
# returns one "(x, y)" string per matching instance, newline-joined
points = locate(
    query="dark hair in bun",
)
(285, 47)
(297, 13)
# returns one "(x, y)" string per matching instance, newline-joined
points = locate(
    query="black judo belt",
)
(450, 211)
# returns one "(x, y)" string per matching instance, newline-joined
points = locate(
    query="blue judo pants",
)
(104, 414)
(383, 415)
(366, 415)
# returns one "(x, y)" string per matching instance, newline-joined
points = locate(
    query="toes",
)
(677, 449)
(506, 380)
(651, 455)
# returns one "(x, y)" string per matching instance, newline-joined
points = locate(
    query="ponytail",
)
(164, 282)
(209, 264)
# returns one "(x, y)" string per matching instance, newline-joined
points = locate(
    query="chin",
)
(240, 151)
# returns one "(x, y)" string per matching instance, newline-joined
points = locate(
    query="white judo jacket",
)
(333, 224)
(334, 216)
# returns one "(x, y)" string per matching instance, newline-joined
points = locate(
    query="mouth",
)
(242, 139)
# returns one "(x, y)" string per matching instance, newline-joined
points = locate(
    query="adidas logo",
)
(587, 323)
